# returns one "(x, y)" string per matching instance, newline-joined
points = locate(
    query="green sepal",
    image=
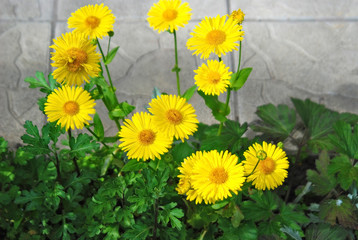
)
(189, 92)
(238, 79)
(111, 55)
(218, 109)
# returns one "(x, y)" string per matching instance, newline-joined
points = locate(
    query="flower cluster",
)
(76, 61)
(212, 176)
(148, 136)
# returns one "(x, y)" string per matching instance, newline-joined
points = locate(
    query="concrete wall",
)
(302, 49)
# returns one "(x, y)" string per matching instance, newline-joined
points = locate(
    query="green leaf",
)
(3, 145)
(323, 182)
(318, 120)
(139, 231)
(47, 172)
(109, 96)
(189, 92)
(346, 172)
(230, 138)
(111, 55)
(83, 145)
(218, 109)
(339, 211)
(262, 206)
(324, 231)
(98, 126)
(181, 151)
(292, 233)
(238, 79)
(121, 111)
(134, 165)
(346, 139)
(35, 143)
(169, 212)
(33, 198)
(276, 121)
(40, 82)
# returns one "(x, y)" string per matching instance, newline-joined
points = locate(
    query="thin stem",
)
(176, 67)
(238, 66)
(109, 44)
(155, 219)
(58, 166)
(107, 70)
(74, 159)
(225, 109)
(202, 235)
(253, 170)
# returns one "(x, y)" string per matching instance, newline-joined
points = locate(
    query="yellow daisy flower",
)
(169, 15)
(272, 166)
(140, 140)
(184, 185)
(215, 35)
(75, 58)
(238, 16)
(94, 21)
(213, 78)
(174, 116)
(70, 107)
(216, 175)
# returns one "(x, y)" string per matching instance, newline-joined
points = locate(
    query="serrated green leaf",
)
(323, 182)
(276, 121)
(47, 172)
(218, 109)
(82, 145)
(346, 139)
(181, 151)
(324, 231)
(112, 53)
(189, 92)
(40, 82)
(35, 143)
(230, 138)
(3, 145)
(339, 211)
(139, 231)
(292, 233)
(134, 165)
(238, 80)
(262, 206)
(346, 172)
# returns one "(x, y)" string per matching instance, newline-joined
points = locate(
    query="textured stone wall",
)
(302, 49)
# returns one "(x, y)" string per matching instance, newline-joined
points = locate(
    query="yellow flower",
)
(213, 78)
(238, 16)
(215, 35)
(173, 116)
(75, 58)
(141, 140)
(216, 175)
(184, 185)
(271, 170)
(70, 107)
(169, 15)
(94, 21)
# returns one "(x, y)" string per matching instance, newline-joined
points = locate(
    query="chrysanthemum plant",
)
(166, 175)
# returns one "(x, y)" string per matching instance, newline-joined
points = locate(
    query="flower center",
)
(76, 57)
(214, 77)
(146, 137)
(92, 21)
(71, 108)
(170, 14)
(267, 166)
(216, 37)
(174, 116)
(218, 175)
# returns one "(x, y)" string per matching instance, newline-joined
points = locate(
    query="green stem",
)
(155, 219)
(202, 235)
(225, 109)
(253, 170)
(176, 67)
(107, 70)
(74, 159)
(238, 66)
(109, 44)
(58, 166)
